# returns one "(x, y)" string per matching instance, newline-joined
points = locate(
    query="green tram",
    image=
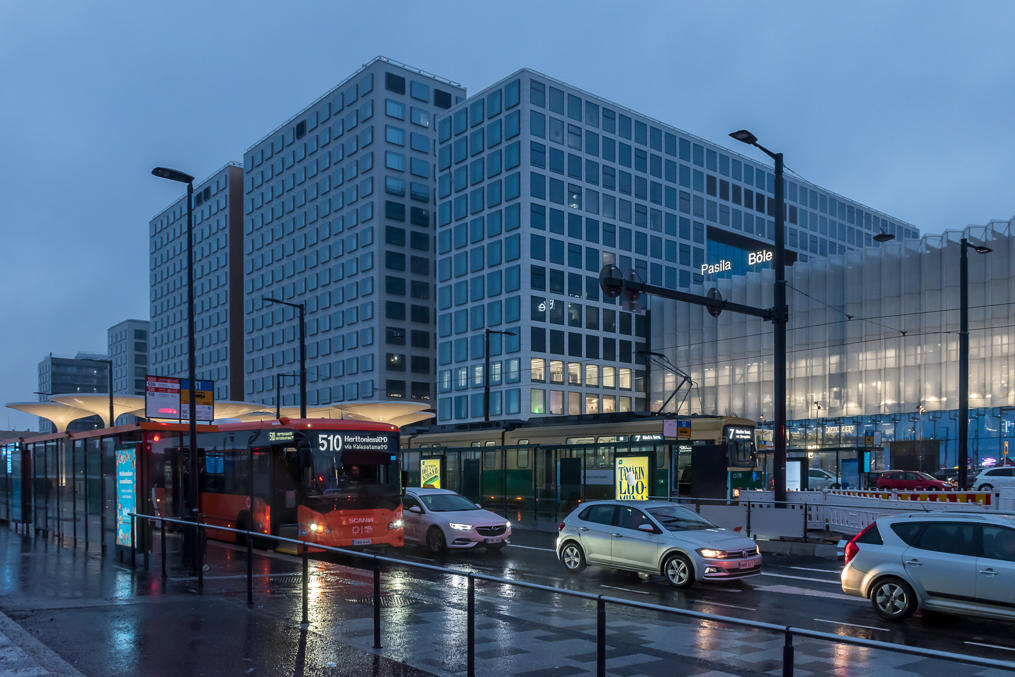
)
(542, 469)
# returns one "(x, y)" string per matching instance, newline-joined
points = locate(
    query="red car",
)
(910, 480)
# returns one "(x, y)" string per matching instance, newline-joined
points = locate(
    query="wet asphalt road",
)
(801, 592)
(104, 619)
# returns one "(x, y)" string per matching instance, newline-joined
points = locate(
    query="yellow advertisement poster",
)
(430, 473)
(632, 478)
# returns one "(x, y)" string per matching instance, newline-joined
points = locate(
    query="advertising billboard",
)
(126, 492)
(430, 473)
(632, 478)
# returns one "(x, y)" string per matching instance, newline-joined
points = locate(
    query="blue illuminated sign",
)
(126, 492)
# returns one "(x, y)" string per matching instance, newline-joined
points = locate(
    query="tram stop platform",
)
(65, 611)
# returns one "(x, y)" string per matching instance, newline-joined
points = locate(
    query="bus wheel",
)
(435, 541)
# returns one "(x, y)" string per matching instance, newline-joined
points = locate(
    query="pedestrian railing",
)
(375, 561)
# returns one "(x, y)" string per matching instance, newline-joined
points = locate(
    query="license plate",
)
(747, 564)
(361, 541)
(491, 540)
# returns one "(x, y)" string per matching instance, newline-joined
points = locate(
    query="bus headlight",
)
(319, 528)
(396, 524)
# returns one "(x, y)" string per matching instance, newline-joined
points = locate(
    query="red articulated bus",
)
(333, 482)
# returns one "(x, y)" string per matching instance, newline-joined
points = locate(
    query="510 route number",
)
(332, 442)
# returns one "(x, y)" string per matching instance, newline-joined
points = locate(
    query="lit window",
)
(538, 367)
(557, 402)
(625, 404)
(574, 403)
(624, 379)
(609, 380)
(536, 397)
(609, 404)
(574, 374)
(556, 371)
(591, 375)
(592, 404)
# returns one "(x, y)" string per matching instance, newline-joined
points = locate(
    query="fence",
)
(601, 601)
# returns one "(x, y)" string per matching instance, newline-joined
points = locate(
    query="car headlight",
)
(507, 524)
(396, 524)
(459, 527)
(709, 553)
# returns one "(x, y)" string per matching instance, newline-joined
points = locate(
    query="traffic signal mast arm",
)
(611, 280)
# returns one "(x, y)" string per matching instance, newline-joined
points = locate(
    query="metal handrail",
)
(789, 631)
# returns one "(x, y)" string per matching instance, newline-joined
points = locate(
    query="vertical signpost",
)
(126, 493)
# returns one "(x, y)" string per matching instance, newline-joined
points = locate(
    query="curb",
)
(21, 641)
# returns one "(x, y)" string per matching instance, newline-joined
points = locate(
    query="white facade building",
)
(338, 216)
(217, 233)
(539, 184)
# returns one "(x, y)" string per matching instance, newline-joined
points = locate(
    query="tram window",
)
(523, 458)
(522, 442)
(580, 440)
(491, 460)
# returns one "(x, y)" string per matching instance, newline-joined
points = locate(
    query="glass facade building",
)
(872, 345)
(539, 185)
(217, 214)
(338, 206)
(128, 349)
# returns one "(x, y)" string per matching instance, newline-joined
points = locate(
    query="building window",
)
(538, 370)
(395, 388)
(556, 371)
(537, 399)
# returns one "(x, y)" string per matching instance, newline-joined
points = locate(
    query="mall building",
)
(873, 347)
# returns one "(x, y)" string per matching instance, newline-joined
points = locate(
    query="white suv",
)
(993, 479)
(961, 563)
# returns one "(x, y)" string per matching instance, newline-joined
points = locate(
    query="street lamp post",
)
(964, 359)
(486, 369)
(303, 349)
(780, 316)
(181, 177)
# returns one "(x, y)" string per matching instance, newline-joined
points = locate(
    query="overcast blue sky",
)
(904, 106)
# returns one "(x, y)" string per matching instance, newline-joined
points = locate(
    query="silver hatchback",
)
(654, 537)
(961, 563)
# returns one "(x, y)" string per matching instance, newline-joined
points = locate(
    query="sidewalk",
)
(65, 612)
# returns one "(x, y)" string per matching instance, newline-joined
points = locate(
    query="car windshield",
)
(447, 502)
(675, 518)
(925, 476)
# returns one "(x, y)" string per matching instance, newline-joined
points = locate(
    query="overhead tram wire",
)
(903, 332)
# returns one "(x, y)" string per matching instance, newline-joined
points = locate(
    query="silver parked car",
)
(961, 563)
(444, 520)
(654, 537)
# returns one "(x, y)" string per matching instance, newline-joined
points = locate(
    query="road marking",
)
(637, 592)
(808, 592)
(802, 578)
(991, 646)
(854, 625)
(731, 606)
(824, 571)
(529, 547)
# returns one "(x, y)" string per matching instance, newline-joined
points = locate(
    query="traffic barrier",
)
(978, 497)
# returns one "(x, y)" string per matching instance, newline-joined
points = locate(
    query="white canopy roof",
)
(98, 404)
(58, 414)
(382, 412)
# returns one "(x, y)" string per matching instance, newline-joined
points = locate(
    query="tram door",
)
(569, 482)
(471, 475)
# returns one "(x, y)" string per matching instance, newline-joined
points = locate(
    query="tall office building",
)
(218, 279)
(338, 204)
(84, 373)
(540, 184)
(128, 349)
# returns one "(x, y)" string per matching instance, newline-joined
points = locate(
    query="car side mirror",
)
(415, 509)
(647, 528)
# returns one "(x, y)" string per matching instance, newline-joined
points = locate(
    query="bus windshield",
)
(336, 472)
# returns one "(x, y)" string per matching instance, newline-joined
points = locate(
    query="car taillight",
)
(560, 527)
(852, 548)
